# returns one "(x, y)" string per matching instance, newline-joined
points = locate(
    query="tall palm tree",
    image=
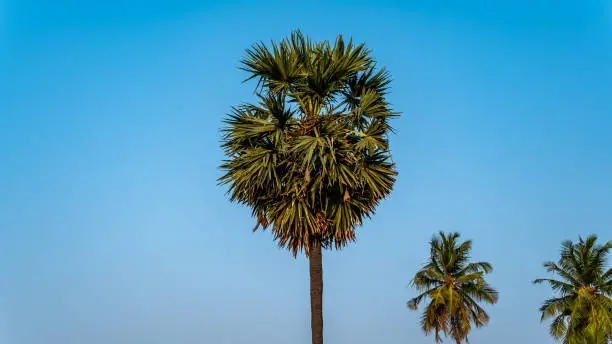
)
(454, 286)
(311, 158)
(582, 310)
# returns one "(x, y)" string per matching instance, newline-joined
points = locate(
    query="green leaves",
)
(454, 287)
(583, 311)
(312, 158)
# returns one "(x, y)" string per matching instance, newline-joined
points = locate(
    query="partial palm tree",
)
(582, 308)
(453, 287)
(311, 157)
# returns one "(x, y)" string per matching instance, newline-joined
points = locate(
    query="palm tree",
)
(454, 286)
(582, 310)
(311, 158)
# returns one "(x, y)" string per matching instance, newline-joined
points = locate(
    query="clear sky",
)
(112, 227)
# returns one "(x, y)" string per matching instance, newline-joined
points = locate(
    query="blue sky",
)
(112, 227)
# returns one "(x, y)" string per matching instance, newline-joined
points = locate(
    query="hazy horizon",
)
(113, 228)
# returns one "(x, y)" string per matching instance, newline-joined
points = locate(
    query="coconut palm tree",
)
(311, 157)
(454, 287)
(582, 308)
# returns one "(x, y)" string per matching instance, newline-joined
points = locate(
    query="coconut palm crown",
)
(582, 309)
(454, 287)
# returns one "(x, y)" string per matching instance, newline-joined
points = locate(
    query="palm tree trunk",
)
(316, 293)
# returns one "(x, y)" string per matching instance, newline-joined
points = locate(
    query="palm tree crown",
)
(311, 157)
(582, 311)
(454, 287)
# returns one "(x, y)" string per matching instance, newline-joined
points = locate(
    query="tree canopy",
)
(311, 157)
(582, 309)
(454, 287)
